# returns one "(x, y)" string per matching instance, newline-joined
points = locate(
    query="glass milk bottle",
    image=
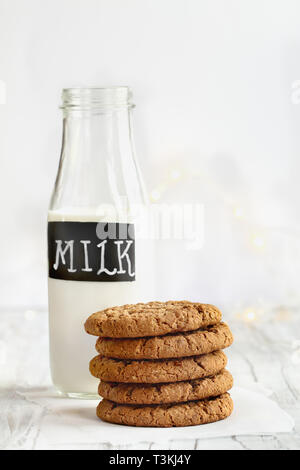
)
(95, 258)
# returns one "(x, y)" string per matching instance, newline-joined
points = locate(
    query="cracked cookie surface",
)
(177, 392)
(182, 414)
(151, 319)
(159, 370)
(183, 344)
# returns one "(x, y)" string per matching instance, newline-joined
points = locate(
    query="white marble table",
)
(268, 353)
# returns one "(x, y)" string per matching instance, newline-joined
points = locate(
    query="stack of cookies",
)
(161, 364)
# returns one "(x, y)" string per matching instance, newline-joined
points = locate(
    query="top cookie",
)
(151, 319)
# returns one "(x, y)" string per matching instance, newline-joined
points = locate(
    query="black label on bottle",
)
(91, 251)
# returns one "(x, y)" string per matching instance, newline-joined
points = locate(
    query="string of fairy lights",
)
(176, 175)
(257, 235)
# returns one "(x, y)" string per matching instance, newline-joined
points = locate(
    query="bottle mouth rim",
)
(96, 97)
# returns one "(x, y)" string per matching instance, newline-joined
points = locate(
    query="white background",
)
(213, 83)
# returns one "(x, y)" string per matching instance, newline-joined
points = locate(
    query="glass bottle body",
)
(98, 181)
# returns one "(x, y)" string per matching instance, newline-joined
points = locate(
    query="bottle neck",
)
(93, 139)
